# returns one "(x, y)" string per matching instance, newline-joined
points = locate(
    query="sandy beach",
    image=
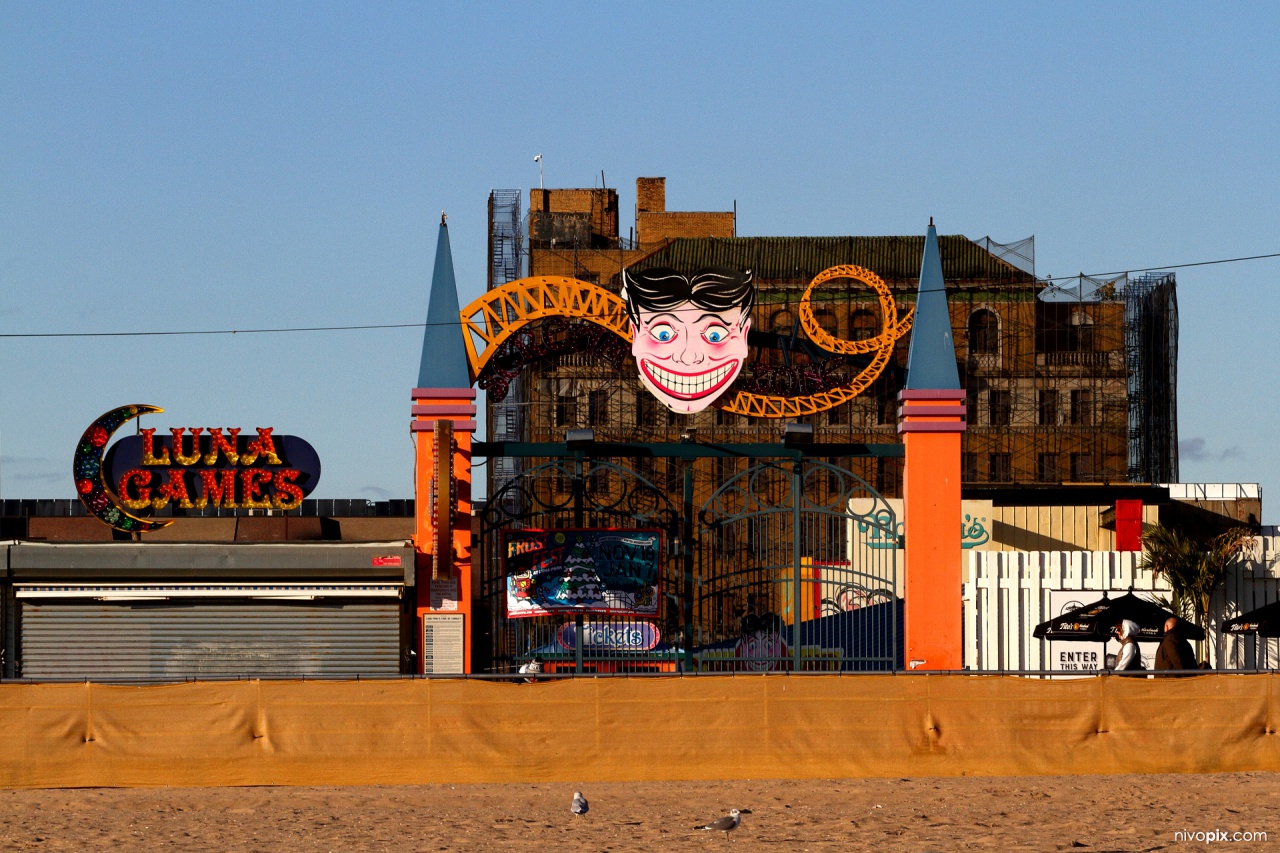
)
(1087, 813)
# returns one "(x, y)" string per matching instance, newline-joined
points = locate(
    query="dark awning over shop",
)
(258, 561)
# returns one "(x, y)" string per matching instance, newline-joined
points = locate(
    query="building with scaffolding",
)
(1067, 381)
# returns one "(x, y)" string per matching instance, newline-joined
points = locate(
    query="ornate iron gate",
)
(795, 579)
(777, 570)
(578, 493)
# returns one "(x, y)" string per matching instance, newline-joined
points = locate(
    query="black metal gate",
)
(787, 565)
(800, 575)
(580, 493)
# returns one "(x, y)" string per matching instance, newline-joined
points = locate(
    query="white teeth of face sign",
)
(688, 359)
(682, 384)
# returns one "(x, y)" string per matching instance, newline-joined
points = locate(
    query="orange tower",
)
(931, 418)
(444, 419)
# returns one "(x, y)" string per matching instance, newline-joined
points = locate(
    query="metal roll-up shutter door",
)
(209, 639)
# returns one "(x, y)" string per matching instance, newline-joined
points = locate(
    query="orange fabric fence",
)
(617, 729)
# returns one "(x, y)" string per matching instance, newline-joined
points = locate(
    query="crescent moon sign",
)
(94, 492)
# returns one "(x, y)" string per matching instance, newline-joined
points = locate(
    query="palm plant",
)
(1194, 568)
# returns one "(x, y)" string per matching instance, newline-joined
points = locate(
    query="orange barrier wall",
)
(730, 727)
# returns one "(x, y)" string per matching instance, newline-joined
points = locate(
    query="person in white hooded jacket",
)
(1129, 657)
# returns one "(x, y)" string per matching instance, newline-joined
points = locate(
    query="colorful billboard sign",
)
(191, 467)
(582, 571)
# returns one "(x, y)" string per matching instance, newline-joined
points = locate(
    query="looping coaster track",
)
(502, 312)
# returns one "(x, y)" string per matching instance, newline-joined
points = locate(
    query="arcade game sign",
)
(191, 467)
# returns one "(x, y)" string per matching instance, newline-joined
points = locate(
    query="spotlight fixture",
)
(793, 434)
(579, 439)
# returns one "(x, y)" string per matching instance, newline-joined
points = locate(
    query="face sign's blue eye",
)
(663, 333)
(715, 334)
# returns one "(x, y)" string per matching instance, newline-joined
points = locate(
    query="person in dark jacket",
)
(1174, 652)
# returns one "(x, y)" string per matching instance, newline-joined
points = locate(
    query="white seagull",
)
(533, 667)
(579, 804)
(726, 824)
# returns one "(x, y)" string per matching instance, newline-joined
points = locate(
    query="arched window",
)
(782, 322)
(863, 324)
(984, 332)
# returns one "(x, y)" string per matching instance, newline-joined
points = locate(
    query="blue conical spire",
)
(444, 357)
(931, 360)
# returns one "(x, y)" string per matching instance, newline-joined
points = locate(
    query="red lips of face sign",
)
(687, 357)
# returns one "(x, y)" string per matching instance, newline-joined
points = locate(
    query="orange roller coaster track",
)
(503, 311)
(493, 318)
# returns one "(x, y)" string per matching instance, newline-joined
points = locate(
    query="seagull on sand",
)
(726, 824)
(579, 804)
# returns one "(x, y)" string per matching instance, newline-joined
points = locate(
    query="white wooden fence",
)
(1252, 583)
(1006, 594)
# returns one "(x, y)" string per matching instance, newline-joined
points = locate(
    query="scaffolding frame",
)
(1151, 345)
(506, 264)
(1067, 381)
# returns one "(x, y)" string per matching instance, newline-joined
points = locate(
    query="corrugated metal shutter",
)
(203, 639)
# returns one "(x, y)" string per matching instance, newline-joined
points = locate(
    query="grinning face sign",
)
(689, 336)
(687, 357)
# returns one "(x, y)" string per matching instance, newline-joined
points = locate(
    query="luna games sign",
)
(190, 468)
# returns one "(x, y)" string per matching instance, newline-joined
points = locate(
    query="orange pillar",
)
(450, 590)
(931, 423)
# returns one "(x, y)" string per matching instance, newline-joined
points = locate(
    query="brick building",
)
(1067, 382)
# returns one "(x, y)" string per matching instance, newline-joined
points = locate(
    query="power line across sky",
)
(372, 326)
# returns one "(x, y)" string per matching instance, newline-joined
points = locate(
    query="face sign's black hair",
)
(714, 289)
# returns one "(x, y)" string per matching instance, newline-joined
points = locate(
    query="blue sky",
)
(235, 165)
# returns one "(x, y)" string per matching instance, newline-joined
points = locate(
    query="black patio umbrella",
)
(1098, 620)
(1265, 622)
